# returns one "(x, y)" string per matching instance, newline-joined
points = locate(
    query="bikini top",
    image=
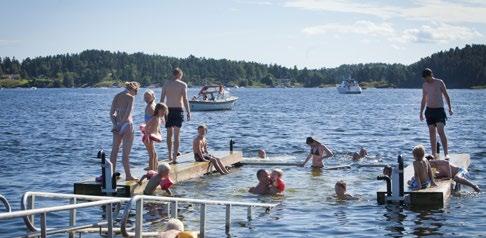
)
(315, 150)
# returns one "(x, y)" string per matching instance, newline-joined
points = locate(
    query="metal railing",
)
(5, 203)
(138, 201)
(28, 211)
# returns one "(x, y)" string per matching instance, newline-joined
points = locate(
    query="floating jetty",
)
(185, 169)
(432, 197)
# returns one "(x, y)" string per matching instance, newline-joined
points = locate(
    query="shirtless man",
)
(448, 171)
(432, 91)
(264, 186)
(121, 117)
(174, 94)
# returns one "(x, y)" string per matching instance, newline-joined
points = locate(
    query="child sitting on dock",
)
(359, 155)
(318, 153)
(277, 181)
(445, 170)
(340, 189)
(423, 176)
(151, 132)
(161, 177)
(200, 149)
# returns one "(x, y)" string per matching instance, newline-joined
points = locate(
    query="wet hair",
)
(177, 71)
(387, 170)
(132, 85)
(163, 167)
(341, 184)
(174, 224)
(279, 172)
(260, 171)
(426, 73)
(429, 157)
(309, 140)
(418, 152)
(159, 106)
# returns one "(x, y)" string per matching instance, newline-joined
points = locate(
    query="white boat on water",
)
(349, 87)
(212, 98)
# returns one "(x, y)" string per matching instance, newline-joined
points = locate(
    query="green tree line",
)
(459, 68)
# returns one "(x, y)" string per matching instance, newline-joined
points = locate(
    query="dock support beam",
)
(248, 213)
(72, 217)
(202, 221)
(173, 209)
(109, 220)
(228, 219)
(139, 218)
(43, 225)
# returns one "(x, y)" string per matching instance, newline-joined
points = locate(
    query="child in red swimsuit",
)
(277, 181)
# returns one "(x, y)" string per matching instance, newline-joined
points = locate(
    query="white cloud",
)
(454, 11)
(434, 33)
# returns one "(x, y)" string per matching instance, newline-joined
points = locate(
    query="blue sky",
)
(306, 33)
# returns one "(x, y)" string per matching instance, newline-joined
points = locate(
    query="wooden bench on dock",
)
(432, 197)
(185, 169)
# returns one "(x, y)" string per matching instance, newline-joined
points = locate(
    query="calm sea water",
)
(49, 137)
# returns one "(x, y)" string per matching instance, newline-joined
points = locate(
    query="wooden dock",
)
(432, 197)
(185, 169)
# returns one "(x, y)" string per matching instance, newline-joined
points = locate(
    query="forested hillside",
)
(459, 68)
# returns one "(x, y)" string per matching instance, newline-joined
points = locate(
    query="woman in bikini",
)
(318, 153)
(121, 117)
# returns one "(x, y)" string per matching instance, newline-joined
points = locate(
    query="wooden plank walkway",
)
(185, 169)
(432, 197)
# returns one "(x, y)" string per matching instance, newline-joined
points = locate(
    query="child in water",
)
(151, 132)
(161, 177)
(201, 154)
(423, 176)
(340, 189)
(318, 153)
(277, 181)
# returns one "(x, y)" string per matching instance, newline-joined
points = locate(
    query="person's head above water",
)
(262, 154)
(174, 224)
(340, 188)
(427, 74)
(161, 109)
(132, 87)
(149, 96)
(309, 140)
(418, 152)
(163, 169)
(262, 175)
(387, 170)
(177, 72)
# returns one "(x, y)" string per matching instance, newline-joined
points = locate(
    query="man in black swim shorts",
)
(432, 91)
(174, 93)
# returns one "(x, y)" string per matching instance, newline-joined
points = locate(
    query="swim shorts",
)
(175, 117)
(435, 115)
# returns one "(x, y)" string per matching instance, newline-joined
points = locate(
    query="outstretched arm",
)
(162, 94)
(305, 161)
(113, 112)
(328, 152)
(141, 179)
(446, 96)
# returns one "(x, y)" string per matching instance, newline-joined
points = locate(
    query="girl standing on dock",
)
(151, 133)
(121, 117)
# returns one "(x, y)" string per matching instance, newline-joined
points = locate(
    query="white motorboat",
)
(349, 87)
(212, 98)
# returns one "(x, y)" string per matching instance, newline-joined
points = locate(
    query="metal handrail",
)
(29, 197)
(138, 200)
(5, 203)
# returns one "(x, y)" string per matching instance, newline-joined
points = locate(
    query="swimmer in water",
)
(121, 118)
(161, 177)
(318, 153)
(277, 181)
(340, 189)
(151, 133)
(387, 171)
(360, 155)
(262, 154)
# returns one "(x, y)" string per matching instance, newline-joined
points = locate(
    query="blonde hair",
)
(163, 167)
(149, 92)
(278, 171)
(132, 85)
(174, 224)
(418, 152)
(341, 184)
(159, 106)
